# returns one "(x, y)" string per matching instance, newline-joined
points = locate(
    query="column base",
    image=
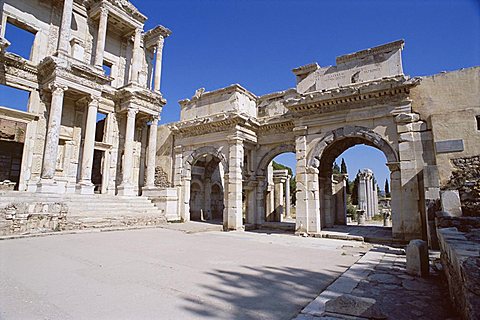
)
(49, 186)
(85, 188)
(126, 190)
(151, 191)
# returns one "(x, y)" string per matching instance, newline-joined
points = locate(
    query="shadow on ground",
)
(259, 293)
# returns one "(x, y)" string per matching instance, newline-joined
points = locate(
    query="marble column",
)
(86, 186)
(261, 205)
(158, 64)
(126, 188)
(301, 219)
(235, 185)
(47, 183)
(137, 56)
(362, 192)
(65, 27)
(152, 152)
(101, 36)
(287, 198)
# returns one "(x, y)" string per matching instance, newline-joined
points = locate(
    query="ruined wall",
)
(450, 102)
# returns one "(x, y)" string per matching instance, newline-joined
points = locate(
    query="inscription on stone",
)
(447, 146)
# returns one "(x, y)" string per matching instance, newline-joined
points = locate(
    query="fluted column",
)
(126, 187)
(137, 57)
(65, 28)
(47, 184)
(86, 185)
(158, 64)
(152, 151)
(102, 33)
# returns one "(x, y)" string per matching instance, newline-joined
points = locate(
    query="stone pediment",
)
(359, 67)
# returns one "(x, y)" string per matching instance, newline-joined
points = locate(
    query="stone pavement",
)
(367, 233)
(378, 287)
(167, 274)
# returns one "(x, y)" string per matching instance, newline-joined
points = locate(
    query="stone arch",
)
(356, 135)
(329, 148)
(270, 155)
(197, 153)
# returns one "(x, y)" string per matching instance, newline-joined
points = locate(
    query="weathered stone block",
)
(417, 258)
(450, 201)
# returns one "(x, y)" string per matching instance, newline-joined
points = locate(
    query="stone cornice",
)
(215, 123)
(330, 100)
(77, 71)
(395, 45)
(133, 92)
(306, 69)
(209, 94)
(152, 36)
(124, 6)
(17, 114)
(15, 61)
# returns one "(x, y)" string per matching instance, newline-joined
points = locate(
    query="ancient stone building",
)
(364, 99)
(91, 127)
(89, 59)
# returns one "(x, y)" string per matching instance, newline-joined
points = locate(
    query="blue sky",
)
(256, 43)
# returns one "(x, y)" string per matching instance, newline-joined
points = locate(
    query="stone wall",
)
(34, 217)
(459, 240)
(164, 155)
(450, 103)
(466, 179)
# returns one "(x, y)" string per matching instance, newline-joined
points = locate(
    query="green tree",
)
(336, 168)
(387, 188)
(354, 195)
(343, 167)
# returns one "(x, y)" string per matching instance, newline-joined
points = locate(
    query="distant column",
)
(152, 151)
(137, 57)
(65, 27)
(158, 64)
(287, 197)
(101, 35)
(126, 187)
(86, 185)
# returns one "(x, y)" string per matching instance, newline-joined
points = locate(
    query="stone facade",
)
(87, 58)
(364, 99)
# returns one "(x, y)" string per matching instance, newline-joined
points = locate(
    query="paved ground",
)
(167, 274)
(378, 286)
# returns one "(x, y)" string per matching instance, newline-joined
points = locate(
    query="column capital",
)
(131, 112)
(57, 88)
(300, 131)
(155, 119)
(103, 11)
(235, 140)
(160, 42)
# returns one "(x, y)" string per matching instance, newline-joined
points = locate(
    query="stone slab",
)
(448, 146)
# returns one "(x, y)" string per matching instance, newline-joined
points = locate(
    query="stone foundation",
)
(22, 218)
(460, 254)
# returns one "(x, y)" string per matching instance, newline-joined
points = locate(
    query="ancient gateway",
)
(90, 130)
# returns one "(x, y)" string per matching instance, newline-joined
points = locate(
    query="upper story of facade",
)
(93, 46)
(365, 75)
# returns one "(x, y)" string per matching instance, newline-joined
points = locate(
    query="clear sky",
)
(256, 43)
